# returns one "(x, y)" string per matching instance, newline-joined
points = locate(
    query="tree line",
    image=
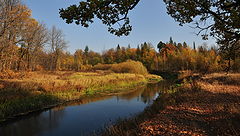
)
(28, 45)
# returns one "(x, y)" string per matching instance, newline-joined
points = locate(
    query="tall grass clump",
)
(130, 66)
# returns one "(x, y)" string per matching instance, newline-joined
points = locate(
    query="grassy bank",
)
(208, 105)
(31, 91)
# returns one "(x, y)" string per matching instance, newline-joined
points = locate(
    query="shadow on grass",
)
(231, 79)
(16, 101)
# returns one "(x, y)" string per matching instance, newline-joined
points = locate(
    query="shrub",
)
(100, 66)
(129, 66)
(86, 67)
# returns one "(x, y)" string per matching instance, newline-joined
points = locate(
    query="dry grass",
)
(39, 82)
(221, 83)
(37, 90)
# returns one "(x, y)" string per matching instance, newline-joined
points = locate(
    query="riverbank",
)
(22, 93)
(207, 105)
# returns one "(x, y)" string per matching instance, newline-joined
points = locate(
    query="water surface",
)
(85, 116)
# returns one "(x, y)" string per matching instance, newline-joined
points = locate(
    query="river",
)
(85, 116)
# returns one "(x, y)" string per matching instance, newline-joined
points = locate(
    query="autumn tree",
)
(94, 58)
(108, 56)
(34, 38)
(78, 59)
(13, 15)
(66, 61)
(138, 53)
(179, 46)
(185, 45)
(130, 53)
(166, 51)
(147, 55)
(21, 36)
(57, 44)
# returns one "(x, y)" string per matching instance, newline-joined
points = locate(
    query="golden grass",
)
(26, 93)
(67, 81)
(64, 81)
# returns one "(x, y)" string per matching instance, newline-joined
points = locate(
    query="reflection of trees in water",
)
(153, 89)
(133, 94)
(149, 93)
(146, 93)
(33, 125)
(54, 117)
(84, 100)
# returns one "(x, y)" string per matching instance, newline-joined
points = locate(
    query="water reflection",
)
(34, 125)
(86, 115)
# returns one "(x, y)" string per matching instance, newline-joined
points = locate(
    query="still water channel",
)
(86, 115)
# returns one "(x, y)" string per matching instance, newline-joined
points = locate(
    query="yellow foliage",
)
(102, 66)
(129, 66)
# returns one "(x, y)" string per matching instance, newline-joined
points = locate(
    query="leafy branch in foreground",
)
(113, 13)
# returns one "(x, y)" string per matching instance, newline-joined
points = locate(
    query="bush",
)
(129, 66)
(100, 66)
(86, 67)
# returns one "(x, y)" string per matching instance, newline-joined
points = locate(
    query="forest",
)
(38, 73)
(28, 45)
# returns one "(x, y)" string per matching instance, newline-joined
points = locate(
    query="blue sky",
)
(149, 19)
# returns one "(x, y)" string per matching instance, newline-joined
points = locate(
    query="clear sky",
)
(149, 19)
